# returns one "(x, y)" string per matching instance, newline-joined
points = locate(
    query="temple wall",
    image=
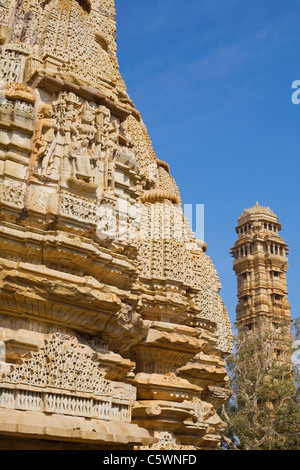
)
(112, 330)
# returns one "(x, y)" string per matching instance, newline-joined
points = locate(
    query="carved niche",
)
(75, 139)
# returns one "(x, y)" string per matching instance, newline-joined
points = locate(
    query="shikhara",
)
(107, 341)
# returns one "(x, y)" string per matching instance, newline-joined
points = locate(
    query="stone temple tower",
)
(260, 263)
(112, 331)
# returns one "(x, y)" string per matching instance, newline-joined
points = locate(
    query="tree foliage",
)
(263, 412)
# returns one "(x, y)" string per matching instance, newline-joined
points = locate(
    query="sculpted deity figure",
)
(112, 145)
(66, 109)
(82, 155)
(82, 160)
(87, 127)
(68, 115)
(44, 142)
(103, 119)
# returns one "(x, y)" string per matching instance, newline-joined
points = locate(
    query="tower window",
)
(274, 274)
(85, 5)
(277, 297)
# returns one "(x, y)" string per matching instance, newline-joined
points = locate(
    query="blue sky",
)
(212, 80)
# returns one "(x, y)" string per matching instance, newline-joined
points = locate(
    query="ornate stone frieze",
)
(64, 378)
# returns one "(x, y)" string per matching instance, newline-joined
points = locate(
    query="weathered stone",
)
(112, 331)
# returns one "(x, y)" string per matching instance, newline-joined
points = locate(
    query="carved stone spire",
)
(113, 333)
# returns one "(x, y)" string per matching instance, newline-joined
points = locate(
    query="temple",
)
(112, 331)
(261, 264)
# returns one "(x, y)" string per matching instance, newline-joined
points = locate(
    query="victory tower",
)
(112, 331)
(260, 263)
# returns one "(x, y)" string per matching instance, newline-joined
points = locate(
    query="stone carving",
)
(16, 128)
(106, 294)
(5, 12)
(18, 91)
(81, 154)
(80, 209)
(69, 136)
(112, 141)
(145, 158)
(63, 365)
(12, 195)
(166, 441)
(11, 66)
(75, 26)
(45, 137)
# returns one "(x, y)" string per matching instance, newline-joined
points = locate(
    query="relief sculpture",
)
(45, 140)
(112, 331)
(70, 135)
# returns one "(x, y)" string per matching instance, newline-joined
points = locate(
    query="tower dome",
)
(257, 211)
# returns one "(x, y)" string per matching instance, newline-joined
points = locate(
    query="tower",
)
(264, 374)
(260, 263)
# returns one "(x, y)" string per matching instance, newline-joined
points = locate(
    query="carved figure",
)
(11, 67)
(45, 138)
(83, 156)
(112, 145)
(82, 160)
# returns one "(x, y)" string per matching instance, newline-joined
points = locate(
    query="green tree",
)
(263, 412)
